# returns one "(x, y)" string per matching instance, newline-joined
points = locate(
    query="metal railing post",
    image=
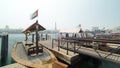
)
(74, 47)
(52, 43)
(58, 45)
(67, 47)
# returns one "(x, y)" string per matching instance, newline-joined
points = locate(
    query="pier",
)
(71, 47)
(60, 53)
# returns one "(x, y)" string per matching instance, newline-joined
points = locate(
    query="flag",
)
(34, 15)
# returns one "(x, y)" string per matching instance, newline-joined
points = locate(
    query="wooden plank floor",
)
(87, 51)
(63, 52)
(99, 54)
(48, 44)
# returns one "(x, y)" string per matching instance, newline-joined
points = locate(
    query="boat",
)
(31, 53)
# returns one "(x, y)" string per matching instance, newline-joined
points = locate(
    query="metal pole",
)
(74, 47)
(52, 43)
(58, 44)
(46, 37)
(67, 47)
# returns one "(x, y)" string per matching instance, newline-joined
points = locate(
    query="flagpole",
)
(37, 15)
(37, 47)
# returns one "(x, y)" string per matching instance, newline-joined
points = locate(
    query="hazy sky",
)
(67, 14)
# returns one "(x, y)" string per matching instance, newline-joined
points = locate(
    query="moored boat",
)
(32, 54)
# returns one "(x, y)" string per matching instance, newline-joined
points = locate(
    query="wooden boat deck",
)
(15, 65)
(31, 49)
(45, 60)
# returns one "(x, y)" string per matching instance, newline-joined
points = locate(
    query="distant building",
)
(6, 27)
(95, 28)
(11, 31)
(116, 29)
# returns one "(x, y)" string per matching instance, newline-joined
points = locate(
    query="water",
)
(12, 39)
(95, 63)
(89, 63)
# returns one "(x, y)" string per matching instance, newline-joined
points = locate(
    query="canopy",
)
(32, 28)
(35, 27)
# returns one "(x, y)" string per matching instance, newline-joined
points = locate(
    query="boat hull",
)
(44, 60)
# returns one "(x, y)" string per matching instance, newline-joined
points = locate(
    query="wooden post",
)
(4, 49)
(37, 48)
(41, 36)
(32, 37)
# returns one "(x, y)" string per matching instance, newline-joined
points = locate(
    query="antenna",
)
(55, 26)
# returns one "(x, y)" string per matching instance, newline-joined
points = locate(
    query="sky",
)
(67, 14)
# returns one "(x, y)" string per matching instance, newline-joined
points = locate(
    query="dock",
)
(61, 53)
(70, 50)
